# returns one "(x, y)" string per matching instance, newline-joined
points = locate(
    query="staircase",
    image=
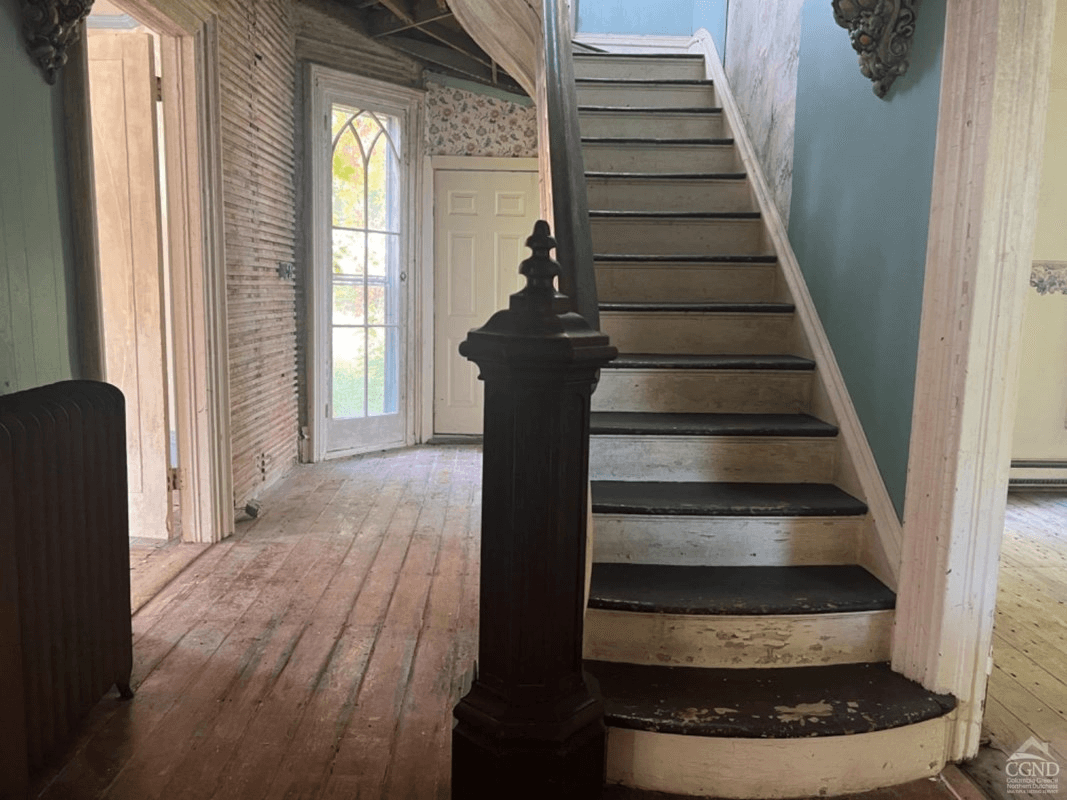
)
(741, 648)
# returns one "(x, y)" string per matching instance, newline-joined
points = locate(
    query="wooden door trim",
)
(431, 166)
(192, 103)
(990, 136)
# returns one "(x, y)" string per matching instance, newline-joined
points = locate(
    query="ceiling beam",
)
(400, 9)
(344, 14)
(454, 62)
(424, 12)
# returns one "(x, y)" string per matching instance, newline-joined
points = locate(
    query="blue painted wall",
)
(862, 174)
(36, 266)
(661, 18)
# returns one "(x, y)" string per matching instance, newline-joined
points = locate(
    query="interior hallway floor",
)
(1027, 694)
(317, 653)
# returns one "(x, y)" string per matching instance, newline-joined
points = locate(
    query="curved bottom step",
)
(769, 733)
(699, 766)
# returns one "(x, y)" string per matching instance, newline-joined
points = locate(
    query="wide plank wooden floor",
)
(316, 653)
(1027, 693)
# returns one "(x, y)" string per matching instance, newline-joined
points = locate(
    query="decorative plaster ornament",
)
(50, 27)
(881, 32)
(1049, 277)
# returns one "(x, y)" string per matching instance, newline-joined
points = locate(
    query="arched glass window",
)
(366, 270)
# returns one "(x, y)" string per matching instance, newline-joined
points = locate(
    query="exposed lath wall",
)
(257, 54)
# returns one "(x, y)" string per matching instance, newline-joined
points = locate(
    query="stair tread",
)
(646, 110)
(648, 81)
(722, 361)
(614, 214)
(608, 55)
(658, 142)
(670, 176)
(647, 423)
(775, 703)
(693, 258)
(712, 307)
(737, 591)
(724, 499)
(720, 142)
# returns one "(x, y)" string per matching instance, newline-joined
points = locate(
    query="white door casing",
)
(482, 219)
(348, 433)
(122, 88)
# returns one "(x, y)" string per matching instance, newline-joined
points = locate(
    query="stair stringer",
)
(856, 470)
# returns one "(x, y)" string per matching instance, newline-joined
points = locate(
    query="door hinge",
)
(174, 479)
(159, 89)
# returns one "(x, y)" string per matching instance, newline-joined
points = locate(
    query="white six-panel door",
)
(481, 222)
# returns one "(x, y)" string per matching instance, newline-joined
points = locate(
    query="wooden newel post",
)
(532, 724)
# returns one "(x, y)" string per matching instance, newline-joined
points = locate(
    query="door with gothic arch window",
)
(364, 226)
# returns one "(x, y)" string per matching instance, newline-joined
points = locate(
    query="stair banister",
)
(566, 172)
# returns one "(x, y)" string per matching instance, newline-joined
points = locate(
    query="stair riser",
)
(712, 458)
(775, 768)
(619, 194)
(710, 333)
(646, 69)
(647, 96)
(696, 391)
(665, 158)
(651, 283)
(808, 640)
(726, 541)
(644, 236)
(638, 125)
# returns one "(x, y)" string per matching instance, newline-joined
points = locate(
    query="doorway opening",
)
(363, 144)
(153, 91)
(125, 86)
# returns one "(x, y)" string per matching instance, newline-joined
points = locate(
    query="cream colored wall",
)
(1041, 418)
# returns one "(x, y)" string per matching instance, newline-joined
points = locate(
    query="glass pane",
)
(367, 125)
(383, 253)
(348, 185)
(349, 252)
(382, 353)
(348, 373)
(375, 303)
(380, 194)
(348, 302)
(339, 117)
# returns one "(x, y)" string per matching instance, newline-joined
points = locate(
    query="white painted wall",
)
(1041, 416)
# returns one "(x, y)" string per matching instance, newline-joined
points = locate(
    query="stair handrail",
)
(570, 204)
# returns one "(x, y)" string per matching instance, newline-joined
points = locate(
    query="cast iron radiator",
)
(65, 627)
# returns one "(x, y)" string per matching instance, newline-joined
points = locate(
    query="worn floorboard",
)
(316, 653)
(1027, 694)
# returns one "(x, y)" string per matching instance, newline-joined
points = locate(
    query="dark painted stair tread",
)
(718, 142)
(642, 422)
(669, 176)
(646, 81)
(700, 258)
(727, 361)
(647, 110)
(737, 591)
(724, 499)
(780, 703)
(668, 215)
(703, 308)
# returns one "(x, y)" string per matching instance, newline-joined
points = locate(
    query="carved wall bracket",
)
(881, 32)
(50, 27)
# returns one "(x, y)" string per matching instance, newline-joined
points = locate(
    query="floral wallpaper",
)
(462, 123)
(1049, 277)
